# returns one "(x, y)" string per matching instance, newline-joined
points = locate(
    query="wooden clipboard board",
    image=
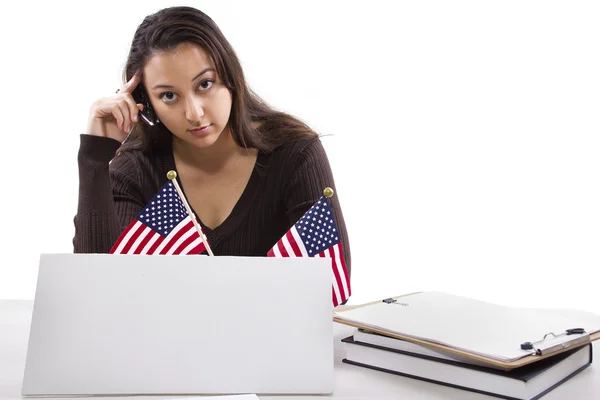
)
(492, 361)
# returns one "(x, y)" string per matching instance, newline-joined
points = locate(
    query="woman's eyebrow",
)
(167, 86)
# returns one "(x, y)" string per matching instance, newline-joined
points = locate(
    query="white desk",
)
(350, 382)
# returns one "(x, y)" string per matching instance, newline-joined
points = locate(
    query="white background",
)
(463, 135)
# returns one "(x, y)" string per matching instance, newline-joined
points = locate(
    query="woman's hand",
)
(114, 116)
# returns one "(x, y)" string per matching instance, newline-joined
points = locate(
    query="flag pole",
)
(328, 192)
(172, 175)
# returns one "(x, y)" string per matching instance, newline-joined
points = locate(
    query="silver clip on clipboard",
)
(569, 338)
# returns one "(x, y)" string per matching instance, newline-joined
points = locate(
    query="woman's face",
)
(187, 95)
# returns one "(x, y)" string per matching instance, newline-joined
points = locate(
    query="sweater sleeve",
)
(312, 173)
(108, 199)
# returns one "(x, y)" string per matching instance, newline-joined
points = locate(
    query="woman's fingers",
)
(132, 106)
(130, 86)
(118, 115)
(115, 115)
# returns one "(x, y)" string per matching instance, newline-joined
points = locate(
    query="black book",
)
(529, 382)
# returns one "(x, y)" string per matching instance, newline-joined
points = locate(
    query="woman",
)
(248, 172)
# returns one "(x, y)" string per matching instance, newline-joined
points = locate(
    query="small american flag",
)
(162, 227)
(316, 235)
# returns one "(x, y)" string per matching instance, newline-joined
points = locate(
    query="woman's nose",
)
(194, 110)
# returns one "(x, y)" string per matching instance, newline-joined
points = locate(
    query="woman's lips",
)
(200, 131)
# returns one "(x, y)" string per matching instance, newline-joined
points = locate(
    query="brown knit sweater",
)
(284, 184)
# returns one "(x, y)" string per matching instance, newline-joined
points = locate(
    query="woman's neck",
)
(209, 159)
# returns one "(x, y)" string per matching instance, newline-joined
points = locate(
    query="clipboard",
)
(551, 344)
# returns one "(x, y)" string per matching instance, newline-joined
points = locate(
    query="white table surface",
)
(350, 382)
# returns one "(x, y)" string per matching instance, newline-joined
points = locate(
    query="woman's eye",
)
(205, 85)
(168, 97)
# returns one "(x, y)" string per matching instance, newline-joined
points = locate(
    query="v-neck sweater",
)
(284, 184)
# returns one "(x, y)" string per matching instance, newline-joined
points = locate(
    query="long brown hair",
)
(163, 31)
